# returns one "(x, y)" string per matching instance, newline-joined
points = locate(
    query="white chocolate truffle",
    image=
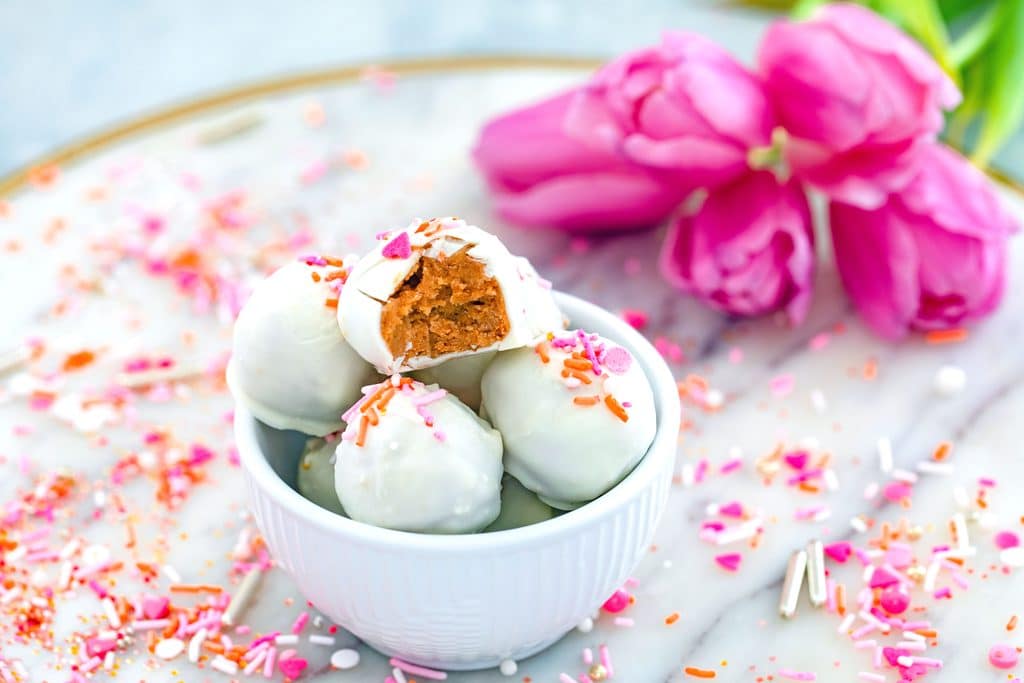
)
(541, 309)
(576, 414)
(414, 458)
(519, 507)
(460, 376)
(315, 476)
(436, 290)
(290, 365)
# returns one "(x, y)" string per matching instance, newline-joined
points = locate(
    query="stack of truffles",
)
(439, 386)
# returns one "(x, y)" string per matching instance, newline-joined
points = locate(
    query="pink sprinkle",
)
(300, 622)
(735, 355)
(617, 602)
(987, 482)
(782, 385)
(809, 512)
(796, 459)
(943, 593)
(819, 341)
(268, 663)
(408, 668)
(398, 248)
(618, 360)
(880, 578)
(729, 561)
(798, 675)
(896, 491)
(1003, 656)
(701, 471)
(635, 318)
(840, 552)
(1007, 539)
(731, 466)
(292, 667)
(733, 509)
(894, 601)
(606, 660)
(440, 435)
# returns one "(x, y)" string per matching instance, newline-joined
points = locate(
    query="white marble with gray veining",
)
(416, 136)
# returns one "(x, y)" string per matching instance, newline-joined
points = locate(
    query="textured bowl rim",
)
(650, 467)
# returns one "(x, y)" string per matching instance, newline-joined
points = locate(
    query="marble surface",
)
(384, 154)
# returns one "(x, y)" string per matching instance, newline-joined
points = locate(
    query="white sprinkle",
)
(318, 621)
(712, 509)
(950, 380)
(831, 479)
(740, 532)
(240, 600)
(885, 454)
(625, 622)
(398, 675)
(111, 613)
(871, 490)
(195, 644)
(286, 639)
(904, 475)
(1012, 557)
(914, 645)
(70, 549)
(345, 658)
(818, 401)
(858, 525)
(932, 467)
(318, 639)
(169, 648)
(714, 398)
(99, 498)
(108, 660)
(65, 576)
(904, 660)
(963, 501)
(14, 358)
(224, 665)
(864, 644)
(846, 623)
(913, 635)
(869, 676)
(171, 573)
(587, 625)
(508, 668)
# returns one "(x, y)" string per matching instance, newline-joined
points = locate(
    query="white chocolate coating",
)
(566, 451)
(290, 365)
(315, 476)
(519, 507)
(541, 309)
(429, 464)
(460, 376)
(377, 277)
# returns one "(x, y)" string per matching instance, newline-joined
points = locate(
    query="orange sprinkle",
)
(586, 400)
(5, 208)
(213, 647)
(195, 588)
(385, 398)
(575, 364)
(332, 261)
(942, 451)
(927, 633)
(542, 351)
(1012, 623)
(337, 275)
(616, 408)
(44, 176)
(172, 627)
(672, 618)
(951, 336)
(371, 415)
(841, 599)
(78, 360)
(315, 275)
(364, 422)
(331, 303)
(580, 376)
(699, 673)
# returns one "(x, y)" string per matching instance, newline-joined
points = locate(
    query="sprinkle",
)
(1012, 623)
(885, 459)
(816, 586)
(194, 644)
(195, 588)
(672, 618)
(795, 572)
(172, 573)
(699, 673)
(240, 600)
(1012, 557)
(286, 639)
(291, 666)
(605, 658)
(224, 665)
(616, 408)
(300, 622)
(617, 360)
(782, 385)
(269, 661)
(346, 658)
(818, 401)
(635, 318)
(797, 675)
(869, 676)
(624, 622)
(432, 674)
(950, 336)
(398, 248)
(111, 613)
(949, 381)
(1003, 656)
(169, 648)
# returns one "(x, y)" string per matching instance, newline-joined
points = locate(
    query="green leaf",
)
(1003, 106)
(954, 10)
(971, 42)
(802, 9)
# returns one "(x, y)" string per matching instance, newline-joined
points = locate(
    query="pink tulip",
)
(933, 256)
(748, 250)
(685, 106)
(858, 98)
(541, 176)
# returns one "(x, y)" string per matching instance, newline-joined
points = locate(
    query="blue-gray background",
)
(69, 67)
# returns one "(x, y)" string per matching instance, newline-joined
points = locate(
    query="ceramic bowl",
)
(466, 601)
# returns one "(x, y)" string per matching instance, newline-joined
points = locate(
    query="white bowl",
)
(467, 601)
